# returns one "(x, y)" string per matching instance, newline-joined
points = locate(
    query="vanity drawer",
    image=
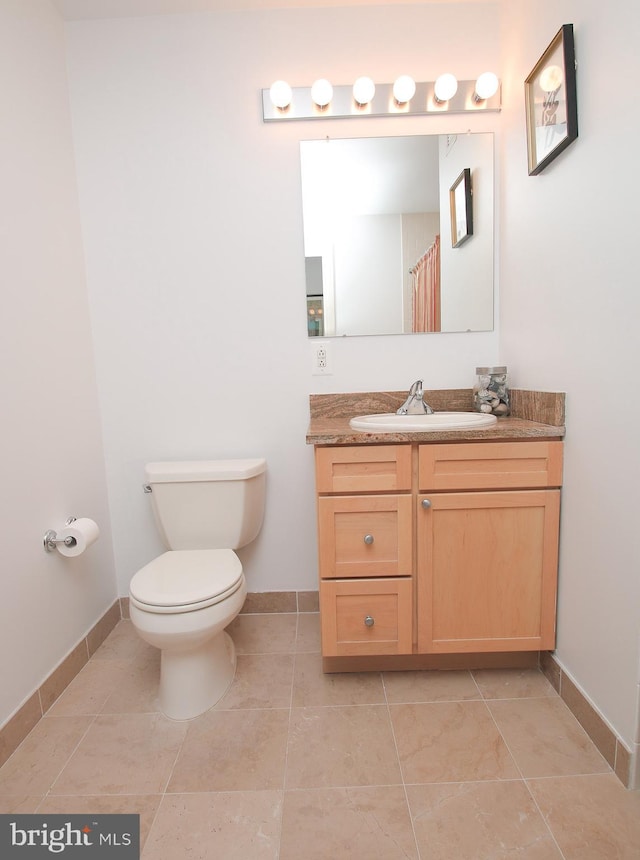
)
(365, 535)
(366, 617)
(481, 466)
(363, 468)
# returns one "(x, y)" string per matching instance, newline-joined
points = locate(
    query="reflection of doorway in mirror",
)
(315, 316)
(315, 298)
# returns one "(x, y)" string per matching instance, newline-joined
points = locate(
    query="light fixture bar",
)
(343, 105)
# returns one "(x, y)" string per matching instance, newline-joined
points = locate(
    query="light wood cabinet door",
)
(364, 536)
(366, 617)
(487, 570)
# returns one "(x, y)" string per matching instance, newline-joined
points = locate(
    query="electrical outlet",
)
(321, 358)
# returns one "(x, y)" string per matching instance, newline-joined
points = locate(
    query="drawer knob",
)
(369, 621)
(368, 539)
(426, 504)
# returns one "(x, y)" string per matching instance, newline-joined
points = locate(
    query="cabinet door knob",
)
(426, 504)
(369, 621)
(368, 539)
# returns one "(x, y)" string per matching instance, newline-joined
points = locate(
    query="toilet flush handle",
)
(147, 488)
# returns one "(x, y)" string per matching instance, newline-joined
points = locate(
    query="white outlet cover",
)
(320, 358)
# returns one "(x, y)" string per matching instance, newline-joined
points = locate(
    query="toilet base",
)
(193, 681)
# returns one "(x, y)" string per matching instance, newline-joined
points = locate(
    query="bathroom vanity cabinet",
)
(438, 548)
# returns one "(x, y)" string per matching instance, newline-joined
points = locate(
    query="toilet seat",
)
(186, 580)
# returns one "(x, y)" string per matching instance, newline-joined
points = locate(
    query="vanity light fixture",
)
(321, 92)
(486, 86)
(404, 89)
(364, 90)
(445, 88)
(280, 94)
(404, 97)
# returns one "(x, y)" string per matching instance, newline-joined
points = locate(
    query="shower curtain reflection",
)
(426, 290)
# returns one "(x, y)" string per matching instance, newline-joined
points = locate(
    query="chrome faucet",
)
(414, 404)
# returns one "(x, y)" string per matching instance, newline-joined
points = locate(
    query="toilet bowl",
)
(182, 601)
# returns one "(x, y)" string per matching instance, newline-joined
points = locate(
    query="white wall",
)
(570, 310)
(192, 220)
(51, 458)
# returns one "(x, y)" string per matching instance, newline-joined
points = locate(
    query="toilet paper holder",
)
(51, 539)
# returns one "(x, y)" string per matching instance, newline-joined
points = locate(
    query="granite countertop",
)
(535, 415)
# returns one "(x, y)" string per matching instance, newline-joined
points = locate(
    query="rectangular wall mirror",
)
(379, 256)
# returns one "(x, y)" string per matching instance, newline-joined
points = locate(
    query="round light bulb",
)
(321, 92)
(404, 89)
(446, 87)
(280, 94)
(551, 78)
(487, 86)
(363, 90)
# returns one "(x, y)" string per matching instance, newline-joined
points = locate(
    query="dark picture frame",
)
(551, 102)
(460, 204)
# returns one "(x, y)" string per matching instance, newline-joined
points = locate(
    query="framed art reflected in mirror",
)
(461, 205)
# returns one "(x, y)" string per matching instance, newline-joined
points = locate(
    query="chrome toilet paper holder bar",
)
(51, 539)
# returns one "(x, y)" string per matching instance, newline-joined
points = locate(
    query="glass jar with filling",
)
(491, 391)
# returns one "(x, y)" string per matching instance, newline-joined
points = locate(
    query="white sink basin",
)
(390, 422)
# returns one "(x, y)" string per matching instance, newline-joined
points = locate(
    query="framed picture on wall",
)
(460, 201)
(551, 102)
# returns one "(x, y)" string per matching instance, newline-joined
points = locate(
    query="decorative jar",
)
(491, 391)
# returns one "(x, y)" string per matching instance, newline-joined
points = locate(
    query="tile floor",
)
(297, 765)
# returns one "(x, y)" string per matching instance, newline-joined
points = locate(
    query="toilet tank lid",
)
(172, 471)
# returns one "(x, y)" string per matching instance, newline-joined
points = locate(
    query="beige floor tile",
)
(479, 821)
(16, 804)
(230, 826)
(450, 742)
(233, 751)
(261, 681)
(145, 806)
(123, 643)
(311, 686)
(512, 683)
(137, 691)
(592, 817)
(545, 738)
(39, 759)
(91, 688)
(264, 634)
(308, 637)
(345, 746)
(441, 686)
(123, 754)
(353, 823)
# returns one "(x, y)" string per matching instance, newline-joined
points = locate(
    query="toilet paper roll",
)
(84, 532)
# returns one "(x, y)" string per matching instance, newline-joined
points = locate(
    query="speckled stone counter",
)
(534, 415)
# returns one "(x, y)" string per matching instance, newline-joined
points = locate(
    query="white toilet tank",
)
(208, 504)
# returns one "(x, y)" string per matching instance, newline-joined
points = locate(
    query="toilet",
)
(182, 601)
